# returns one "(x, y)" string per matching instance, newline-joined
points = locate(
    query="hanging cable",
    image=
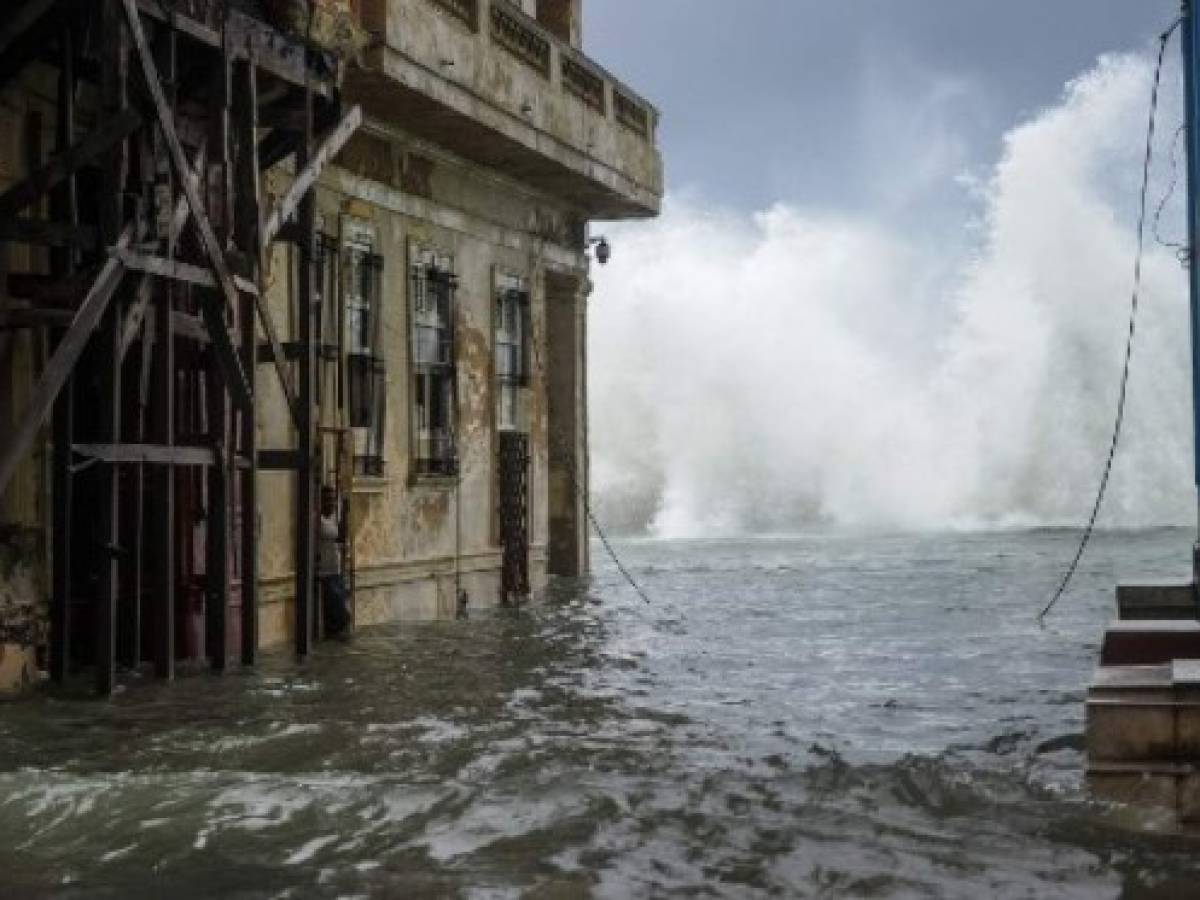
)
(1163, 41)
(613, 553)
(556, 440)
(1182, 251)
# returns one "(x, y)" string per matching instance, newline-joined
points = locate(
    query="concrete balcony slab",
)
(494, 87)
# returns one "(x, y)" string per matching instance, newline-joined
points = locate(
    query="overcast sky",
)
(871, 106)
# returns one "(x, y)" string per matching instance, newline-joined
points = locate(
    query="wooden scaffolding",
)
(159, 236)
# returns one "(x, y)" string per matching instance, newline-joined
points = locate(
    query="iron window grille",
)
(366, 369)
(327, 326)
(512, 330)
(434, 288)
(328, 265)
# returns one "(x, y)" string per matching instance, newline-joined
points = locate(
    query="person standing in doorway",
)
(334, 606)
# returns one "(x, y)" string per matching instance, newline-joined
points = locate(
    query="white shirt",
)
(329, 556)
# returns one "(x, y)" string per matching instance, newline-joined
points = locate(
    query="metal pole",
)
(1191, 40)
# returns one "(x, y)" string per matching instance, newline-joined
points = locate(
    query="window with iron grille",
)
(512, 327)
(327, 277)
(366, 372)
(330, 391)
(433, 286)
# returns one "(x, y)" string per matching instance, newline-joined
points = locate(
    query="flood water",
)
(802, 717)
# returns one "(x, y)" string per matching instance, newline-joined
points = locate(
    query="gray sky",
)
(860, 106)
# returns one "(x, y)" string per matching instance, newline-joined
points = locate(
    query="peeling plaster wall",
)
(408, 532)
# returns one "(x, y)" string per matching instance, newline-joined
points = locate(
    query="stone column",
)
(566, 391)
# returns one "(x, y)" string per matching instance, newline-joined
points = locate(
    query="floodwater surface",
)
(799, 717)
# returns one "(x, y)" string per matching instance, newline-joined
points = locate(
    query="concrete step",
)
(1145, 713)
(1150, 600)
(1148, 642)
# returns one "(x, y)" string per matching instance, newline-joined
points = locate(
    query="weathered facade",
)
(416, 175)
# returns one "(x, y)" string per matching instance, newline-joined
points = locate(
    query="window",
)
(366, 372)
(512, 350)
(330, 396)
(432, 290)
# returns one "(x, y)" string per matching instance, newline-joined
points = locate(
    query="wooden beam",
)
(161, 533)
(64, 205)
(29, 189)
(277, 54)
(114, 100)
(331, 144)
(174, 270)
(145, 290)
(249, 238)
(278, 357)
(53, 234)
(306, 505)
(217, 538)
(60, 599)
(153, 454)
(25, 47)
(189, 327)
(132, 326)
(16, 443)
(300, 188)
(234, 376)
(19, 21)
(212, 311)
(193, 28)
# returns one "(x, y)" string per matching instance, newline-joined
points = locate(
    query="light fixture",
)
(603, 249)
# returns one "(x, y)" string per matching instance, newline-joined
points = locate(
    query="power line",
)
(1164, 39)
(557, 440)
(613, 553)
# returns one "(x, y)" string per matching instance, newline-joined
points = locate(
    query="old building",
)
(254, 252)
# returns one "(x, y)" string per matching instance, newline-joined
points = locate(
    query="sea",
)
(817, 715)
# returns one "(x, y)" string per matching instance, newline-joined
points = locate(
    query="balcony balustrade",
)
(489, 82)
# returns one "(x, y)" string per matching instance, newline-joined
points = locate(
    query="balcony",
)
(486, 81)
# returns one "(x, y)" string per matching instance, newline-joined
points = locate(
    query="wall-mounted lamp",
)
(603, 249)
(447, 63)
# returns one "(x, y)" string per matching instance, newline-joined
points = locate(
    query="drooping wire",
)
(582, 493)
(613, 553)
(1163, 41)
(1182, 251)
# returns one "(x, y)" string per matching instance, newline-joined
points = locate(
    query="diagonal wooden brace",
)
(227, 358)
(145, 288)
(19, 22)
(331, 144)
(62, 166)
(59, 368)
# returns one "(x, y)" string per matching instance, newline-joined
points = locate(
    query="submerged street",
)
(811, 716)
